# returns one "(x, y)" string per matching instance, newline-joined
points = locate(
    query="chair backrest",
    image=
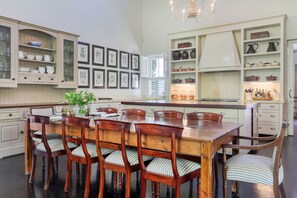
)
(43, 120)
(172, 132)
(75, 122)
(43, 111)
(204, 116)
(136, 112)
(107, 110)
(105, 126)
(169, 114)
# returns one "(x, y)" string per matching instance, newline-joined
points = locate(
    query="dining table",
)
(199, 138)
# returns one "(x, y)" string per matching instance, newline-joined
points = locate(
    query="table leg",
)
(206, 170)
(235, 184)
(28, 152)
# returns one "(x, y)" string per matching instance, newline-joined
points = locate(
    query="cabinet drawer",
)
(227, 113)
(51, 79)
(268, 116)
(269, 129)
(38, 78)
(268, 106)
(15, 114)
(25, 77)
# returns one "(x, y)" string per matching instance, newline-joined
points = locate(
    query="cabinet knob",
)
(259, 127)
(62, 81)
(21, 132)
(39, 78)
(13, 79)
(52, 78)
(10, 114)
(272, 128)
(25, 78)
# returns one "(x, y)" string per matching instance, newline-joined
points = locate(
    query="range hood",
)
(219, 53)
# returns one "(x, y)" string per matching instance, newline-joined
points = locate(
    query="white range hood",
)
(219, 53)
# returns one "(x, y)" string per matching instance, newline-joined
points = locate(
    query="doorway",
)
(292, 85)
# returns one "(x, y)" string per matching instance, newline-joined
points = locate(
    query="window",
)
(153, 76)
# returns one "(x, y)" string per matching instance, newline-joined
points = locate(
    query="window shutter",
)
(144, 71)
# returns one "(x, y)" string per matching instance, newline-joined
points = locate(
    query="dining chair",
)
(107, 110)
(122, 160)
(212, 117)
(136, 112)
(85, 154)
(46, 148)
(166, 167)
(256, 169)
(169, 114)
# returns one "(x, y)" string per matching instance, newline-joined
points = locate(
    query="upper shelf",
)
(179, 61)
(39, 48)
(262, 53)
(262, 39)
(185, 48)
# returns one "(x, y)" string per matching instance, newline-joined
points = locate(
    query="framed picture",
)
(98, 78)
(83, 52)
(124, 60)
(83, 77)
(112, 79)
(135, 80)
(124, 80)
(135, 63)
(97, 55)
(112, 57)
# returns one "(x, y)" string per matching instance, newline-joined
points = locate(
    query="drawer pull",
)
(13, 79)
(259, 127)
(21, 132)
(273, 116)
(52, 78)
(62, 81)
(272, 106)
(25, 78)
(272, 128)
(260, 115)
(39, 78)
(10, 114)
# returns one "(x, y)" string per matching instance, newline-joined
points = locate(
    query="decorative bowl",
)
(35, 43)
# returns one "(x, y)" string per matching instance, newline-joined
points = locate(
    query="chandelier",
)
(193, 9)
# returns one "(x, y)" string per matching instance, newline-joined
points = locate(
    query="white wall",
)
(157, 22)
(113, 23)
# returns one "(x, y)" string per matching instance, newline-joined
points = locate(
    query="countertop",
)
(194, 103)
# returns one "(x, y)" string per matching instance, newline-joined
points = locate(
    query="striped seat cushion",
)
(91, 150)
(55, 145)
(252, 168)
(117, 158)
(163, 166)
(49, 136)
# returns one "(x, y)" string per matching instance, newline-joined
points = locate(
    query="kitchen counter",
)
(194, 103)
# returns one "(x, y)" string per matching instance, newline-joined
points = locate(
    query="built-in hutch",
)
(256, 73)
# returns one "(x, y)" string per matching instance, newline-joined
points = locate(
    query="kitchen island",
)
(240, 112)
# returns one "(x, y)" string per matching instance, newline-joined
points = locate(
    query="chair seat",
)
(49, 136)
(252, 168)
(55, 145)
(91, 150)
(117, 158)
(163, 166)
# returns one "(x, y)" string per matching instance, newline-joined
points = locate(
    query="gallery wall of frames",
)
(101, 67)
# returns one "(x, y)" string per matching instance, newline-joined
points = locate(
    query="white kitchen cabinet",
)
(11, 132)
(269, 118)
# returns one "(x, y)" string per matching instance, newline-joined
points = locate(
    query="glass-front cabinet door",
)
(8, 63)
(68, 62)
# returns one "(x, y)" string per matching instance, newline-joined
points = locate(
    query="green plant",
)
(81, 99)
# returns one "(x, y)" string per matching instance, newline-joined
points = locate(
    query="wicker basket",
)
(271, 78)
(177, 80)
(189, 80)
(251, 78)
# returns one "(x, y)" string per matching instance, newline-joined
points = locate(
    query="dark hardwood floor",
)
(14, 183)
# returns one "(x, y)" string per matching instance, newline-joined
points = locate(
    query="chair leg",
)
(115, 178)
(143, 187)
(191, 187)
(120, 180)
(43, 163)
(216, 168)
(56, 164)
(225, 183)
(157, 190)
(33, 169)
(235, 188)
(128, 185)
(102, 182)
(198, 187)
(177, 191)
(88, 180)
(48, 175)
(282, 190)
(77, 170)
(153, 189)
(68, 175)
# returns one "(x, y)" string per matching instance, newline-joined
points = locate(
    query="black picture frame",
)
(112, 79)
(135, 80)
(135, 62)
(124, 60)
(124, 80)
(98, 78)
(112, 58)
(83, 53)
(83, 77)
(98, 55)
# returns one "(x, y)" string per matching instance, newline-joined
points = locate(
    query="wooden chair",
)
(166, 168)
(46, 148)
(136, 112)
(107, 110)
(86, 153)
(123, 160)
(168, 114)
(255, 168)
(213, 117)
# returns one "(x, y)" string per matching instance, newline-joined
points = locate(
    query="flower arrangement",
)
(81, 99)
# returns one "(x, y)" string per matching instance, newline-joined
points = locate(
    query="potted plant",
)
(81, 99)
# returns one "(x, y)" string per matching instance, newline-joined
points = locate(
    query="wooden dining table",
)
(199, 138)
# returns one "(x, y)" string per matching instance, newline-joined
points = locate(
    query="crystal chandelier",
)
(193, 9)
